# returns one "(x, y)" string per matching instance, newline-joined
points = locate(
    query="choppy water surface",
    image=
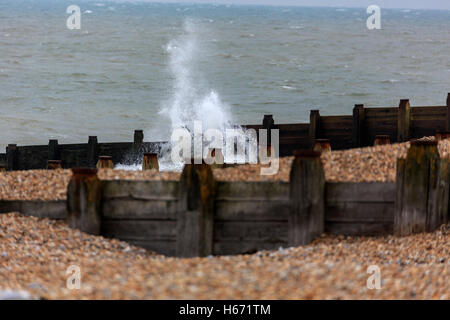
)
(153, 66)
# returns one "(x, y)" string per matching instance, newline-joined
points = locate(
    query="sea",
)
(156, 66)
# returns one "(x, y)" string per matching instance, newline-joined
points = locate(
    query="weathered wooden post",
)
(403, 120)
(195, 216)
(358, 132)
(84, 201)
(54, 164)
(314, 126)
(150, 161)
(138, 140)
(422, 189)
(322, 145)
(11, 157)
(381, 140)
(448, 113)
(268, 124)
(307, 198)
(105, 162)
(53, 150)
(93, 151)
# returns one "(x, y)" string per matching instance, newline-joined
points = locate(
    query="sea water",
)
(156, 66)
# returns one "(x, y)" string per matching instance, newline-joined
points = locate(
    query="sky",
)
(407, 4)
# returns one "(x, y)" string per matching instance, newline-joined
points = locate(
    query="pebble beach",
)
(35, 253)
(368, 164)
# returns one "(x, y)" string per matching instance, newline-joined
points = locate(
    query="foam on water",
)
(192, 99)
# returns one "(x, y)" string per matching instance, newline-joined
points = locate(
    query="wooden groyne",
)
(199, 215)
(77, 155)
(361, 129)
(365, 127)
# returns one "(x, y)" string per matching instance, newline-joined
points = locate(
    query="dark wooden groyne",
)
(198, 215)
(360, 129)
(78, 155)
(400, 124)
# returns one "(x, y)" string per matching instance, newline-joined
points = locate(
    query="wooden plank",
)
(336, 119)
(302, 127)
(247, 247)
(273, 231)
(336, 126)
(273, 210)
(336, 192)
(359, 229)
(335, 134)
(360, 212)
(140, 229)
(252, 191)
(431, 125)
(370, 122)
(293, 134)
(429, 117)
(145, 190)
(428, 110)
(381, 111)
(56, 209)
(128, 208)
(294, 140)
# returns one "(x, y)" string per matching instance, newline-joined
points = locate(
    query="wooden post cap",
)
(322, 145)
(150, 161)
(105, 162)
(268, 121)
(382, 140)
(54, 164)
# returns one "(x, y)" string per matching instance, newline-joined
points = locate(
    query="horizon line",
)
(271, 5)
